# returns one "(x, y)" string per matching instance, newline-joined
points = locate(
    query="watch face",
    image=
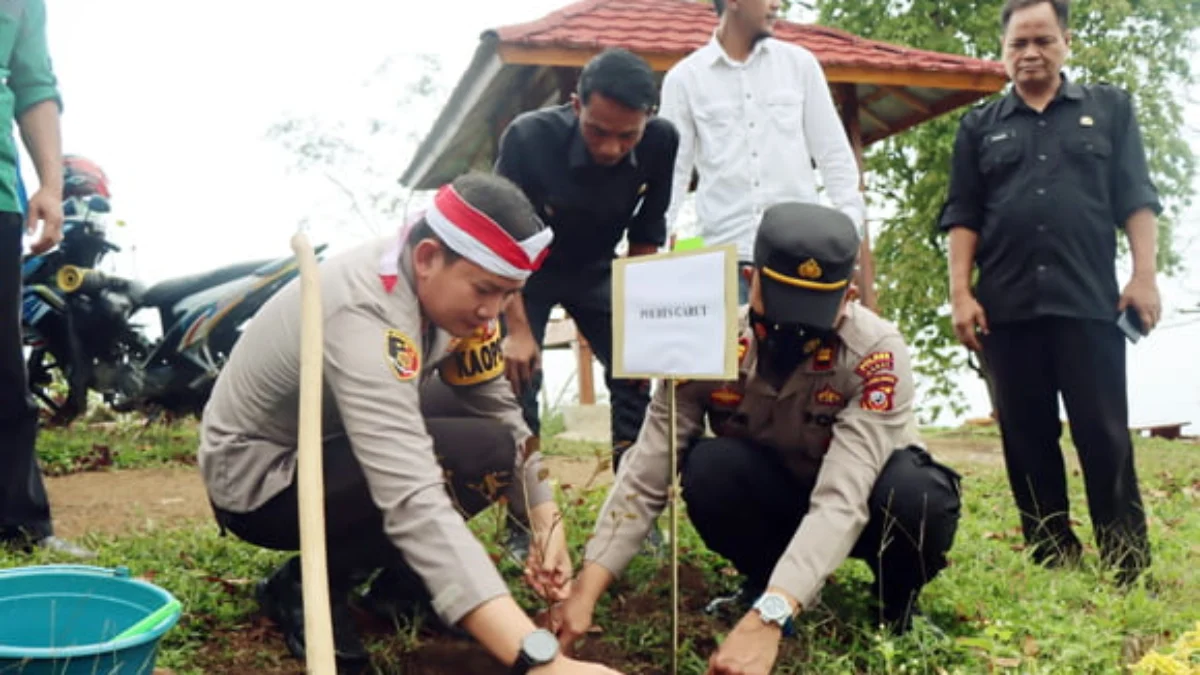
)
(541, 646)
(774, 608)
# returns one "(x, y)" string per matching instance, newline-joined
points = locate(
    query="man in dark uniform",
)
(816, 456)
(597, 169)
(1041, 181)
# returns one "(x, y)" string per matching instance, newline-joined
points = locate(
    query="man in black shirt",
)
(597, 169)
(1041, 180)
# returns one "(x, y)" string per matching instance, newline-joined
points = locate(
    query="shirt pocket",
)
(1089, 153)
(999, 153)
(786, 110)
(1088, 146)
(716, 125)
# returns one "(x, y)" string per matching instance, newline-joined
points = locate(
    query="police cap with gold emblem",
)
(805, 255)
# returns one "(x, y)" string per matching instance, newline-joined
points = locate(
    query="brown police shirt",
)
(376, 356)
(838, 417)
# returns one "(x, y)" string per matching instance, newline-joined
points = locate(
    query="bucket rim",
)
(96, 648)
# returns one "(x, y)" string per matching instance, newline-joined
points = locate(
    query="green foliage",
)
(1145, 46)
(123, 444)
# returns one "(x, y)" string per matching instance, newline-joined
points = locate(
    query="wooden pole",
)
(848, 94)
(587, 383)
(318, 626)
(674, 504)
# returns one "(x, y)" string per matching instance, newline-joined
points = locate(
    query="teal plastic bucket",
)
(61, 620)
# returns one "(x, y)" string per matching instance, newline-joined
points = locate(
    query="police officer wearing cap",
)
(815, 456)
(421, 432)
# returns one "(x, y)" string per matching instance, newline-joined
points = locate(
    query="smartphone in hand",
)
(1130, 323)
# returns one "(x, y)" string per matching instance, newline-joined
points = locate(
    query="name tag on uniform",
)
(1002, 135)
(476, 359)
(1086, 121)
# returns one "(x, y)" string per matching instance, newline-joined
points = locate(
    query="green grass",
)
(1001, 612)
(120, 444)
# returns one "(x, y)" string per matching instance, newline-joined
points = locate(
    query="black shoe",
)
(517, 543)
(398, 595)
(281, 599)
(64, 547)
(1129, 578)
(654, 545)
(51, 543)
(1065, 553)
(899, 619)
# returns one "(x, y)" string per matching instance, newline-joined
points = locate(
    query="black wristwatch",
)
(537, 649)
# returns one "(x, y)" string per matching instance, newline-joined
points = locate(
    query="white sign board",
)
(675, 315)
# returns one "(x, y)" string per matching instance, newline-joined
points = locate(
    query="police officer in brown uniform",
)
(403, 318)
(815, 457)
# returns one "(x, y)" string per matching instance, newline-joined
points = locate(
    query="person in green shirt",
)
(29, 97)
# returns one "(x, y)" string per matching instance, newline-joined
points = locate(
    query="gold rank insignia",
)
(829, 396)
(726, 396)
(403, 356)
(743, 345)
(475, 359)
(823, 360)
(810, 269)
(811, 345)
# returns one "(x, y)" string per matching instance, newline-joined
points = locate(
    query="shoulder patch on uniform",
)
(879, 393)
(475, 359)
(875, 362)
(403, 355)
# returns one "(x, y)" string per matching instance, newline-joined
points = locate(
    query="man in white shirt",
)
(754, 113)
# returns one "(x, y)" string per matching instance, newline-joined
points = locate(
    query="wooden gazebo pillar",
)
(848, 95)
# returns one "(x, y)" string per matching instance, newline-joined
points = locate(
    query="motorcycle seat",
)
(165, 294)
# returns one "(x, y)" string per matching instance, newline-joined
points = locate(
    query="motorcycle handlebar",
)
(73, 279)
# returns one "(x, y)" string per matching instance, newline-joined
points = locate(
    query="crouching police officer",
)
(815, 456)
(401, 472)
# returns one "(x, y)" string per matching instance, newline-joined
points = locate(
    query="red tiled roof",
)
(681, 26)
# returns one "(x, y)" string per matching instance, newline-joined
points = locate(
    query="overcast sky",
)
(174, 100)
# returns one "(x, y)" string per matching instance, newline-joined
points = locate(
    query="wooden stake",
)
(674, 497)
(318, 626)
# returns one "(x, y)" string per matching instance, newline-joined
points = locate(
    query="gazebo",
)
(880, 89)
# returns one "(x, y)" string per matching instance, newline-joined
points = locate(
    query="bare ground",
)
(120, 502)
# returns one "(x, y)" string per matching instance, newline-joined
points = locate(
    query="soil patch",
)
(120, 502)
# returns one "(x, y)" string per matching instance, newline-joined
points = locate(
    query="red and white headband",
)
(476, 237)
(473, 235)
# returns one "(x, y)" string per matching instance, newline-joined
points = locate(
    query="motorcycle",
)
(77, 321)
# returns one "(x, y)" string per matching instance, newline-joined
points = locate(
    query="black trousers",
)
(747, 507)
(469, 448)
(1031, 363)
(587, 296)
(24, 508)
